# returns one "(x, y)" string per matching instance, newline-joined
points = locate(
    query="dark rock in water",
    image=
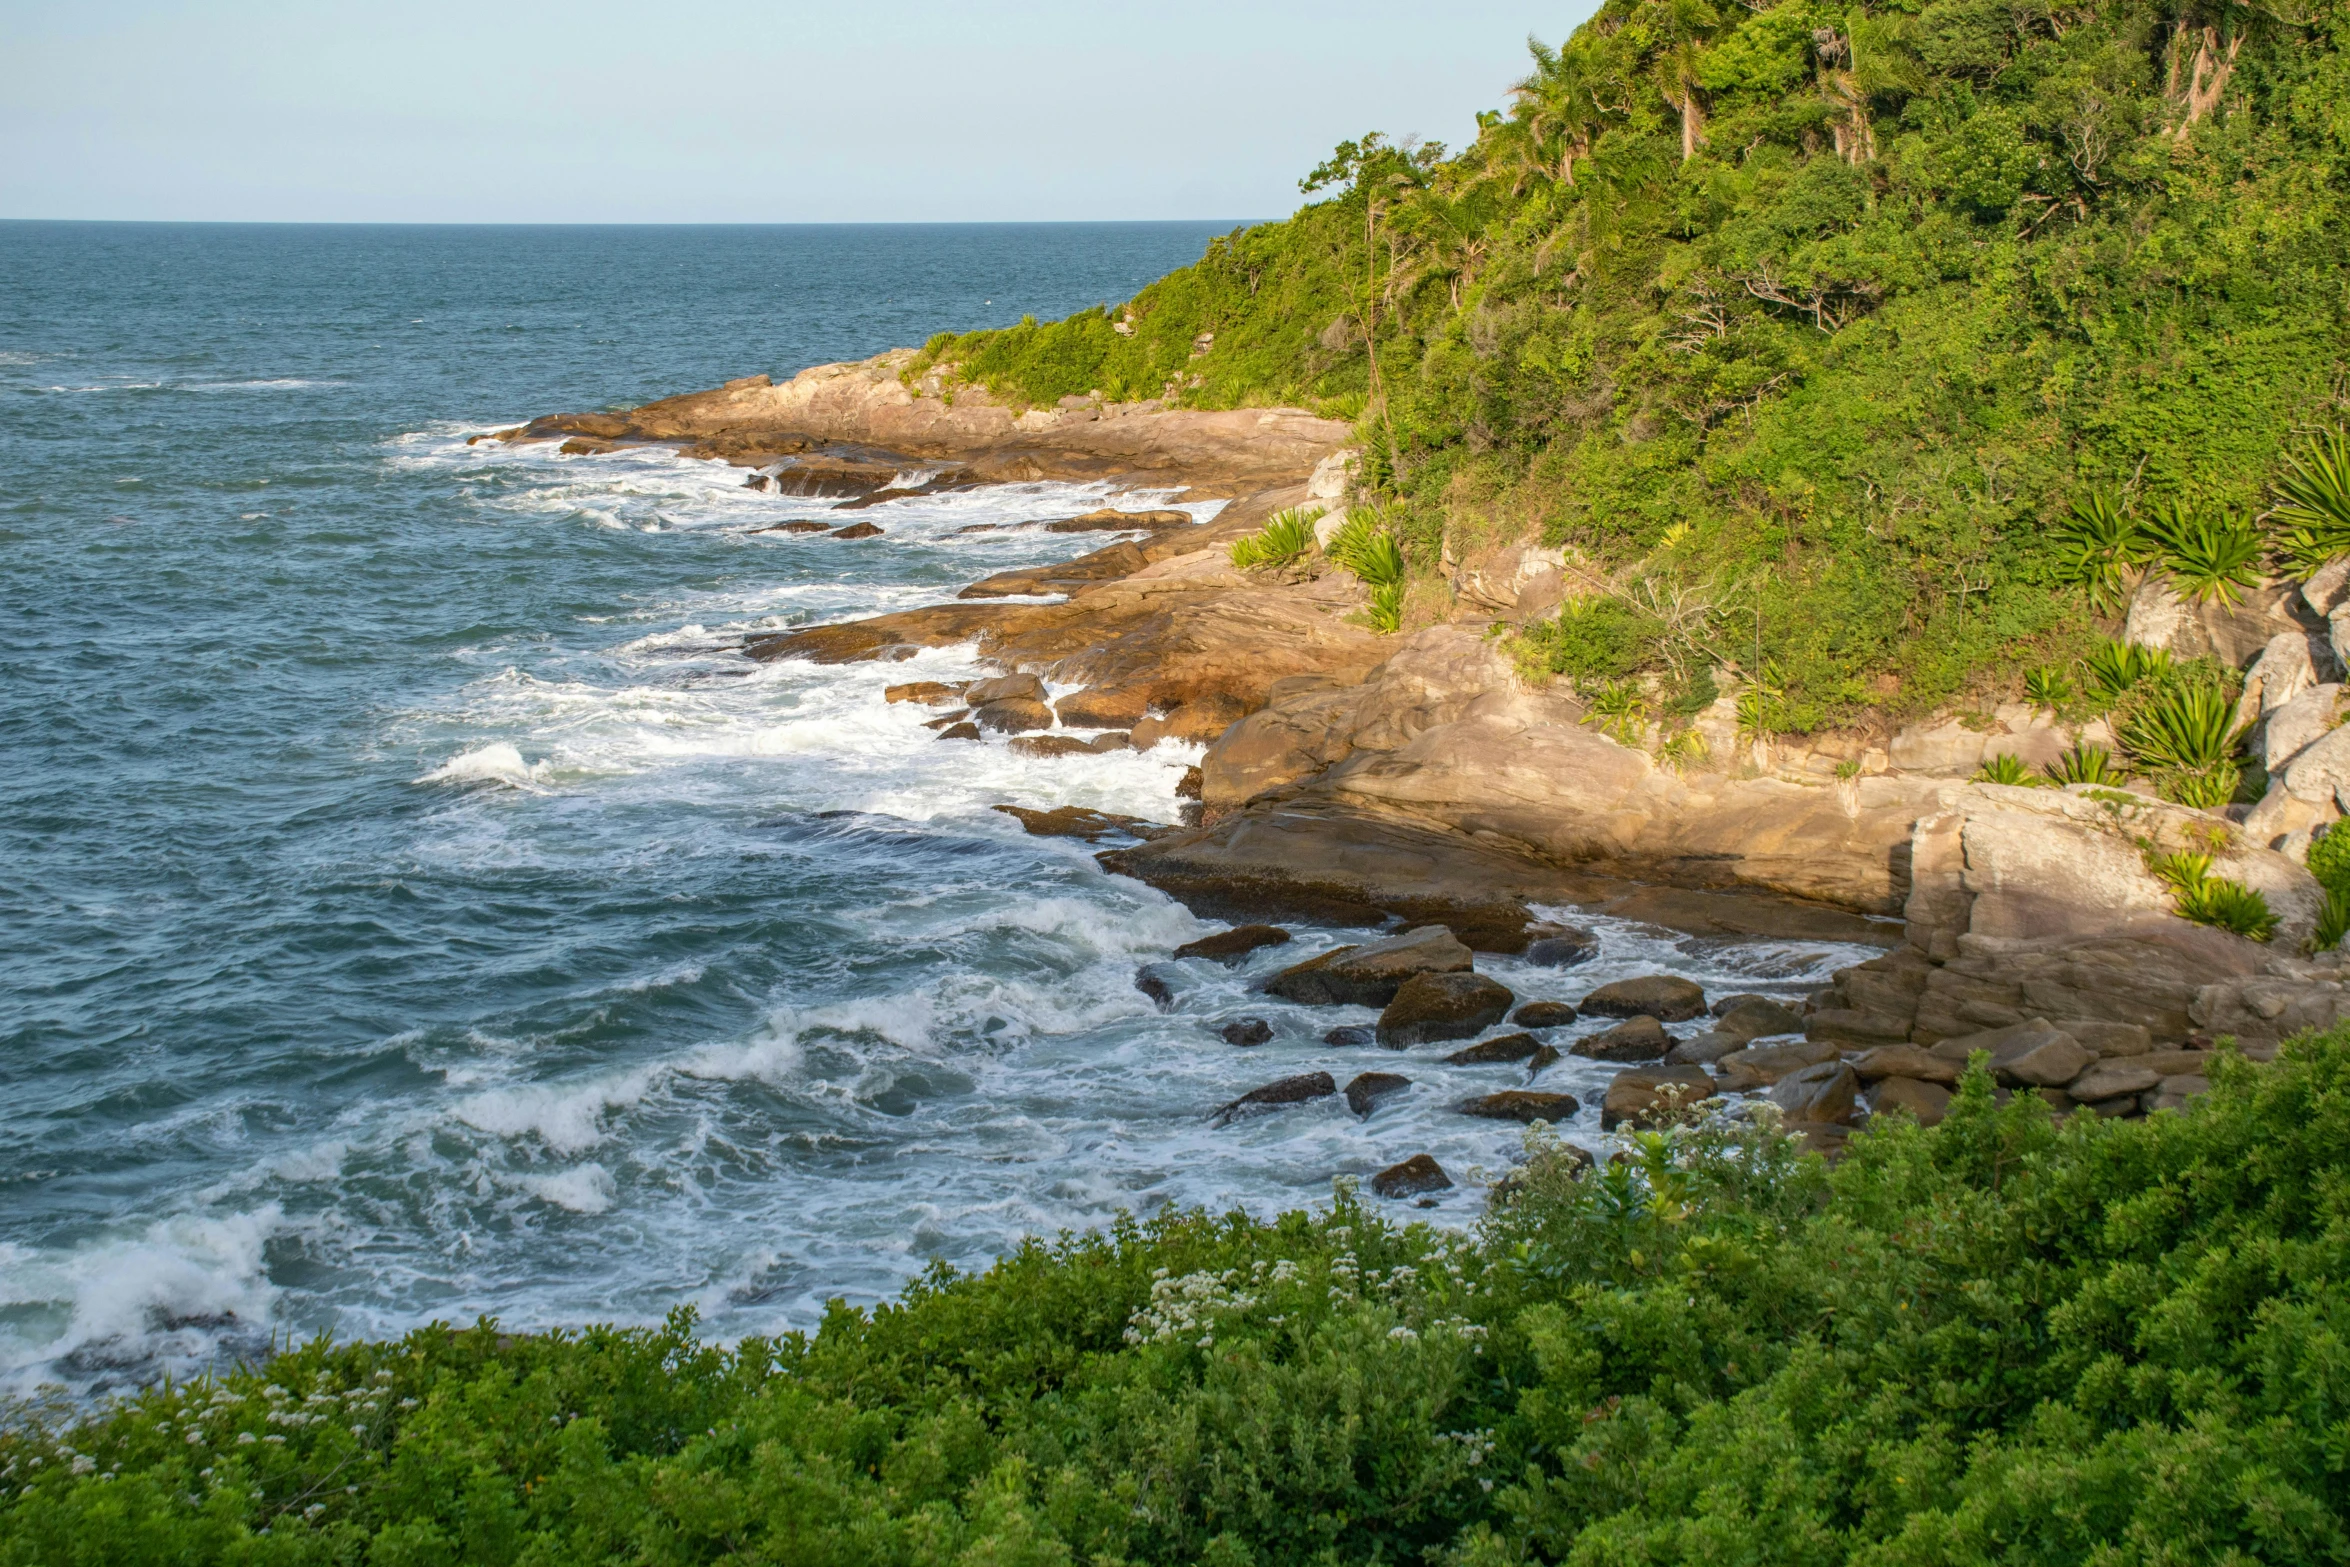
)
(858, 530)
(948, 722)
(1415, 1175)
(1571, 946)
(1524, 1105)
(1076, 821)
(1013, 717)
(1365, 1092)
(1160, 992)
(1758, 1017)
(1114, 740)
(1429, 1007)
(1647, 1095)
(1635, 1039)
(1351, 1034)
(1046, 747)
(1229, 947)
(1004, 688)
(1274, 1096)
(1543, 1014)
(1497, 1051)
(962, 731)
(797, 527)
(1666, 997)
(1370, 975)
(1248, 1031)
(1704, 1049)
(1723, 1007)
(1540, 1059)
(757, 481)
(1192, 785)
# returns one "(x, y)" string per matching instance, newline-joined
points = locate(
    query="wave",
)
(497, 762)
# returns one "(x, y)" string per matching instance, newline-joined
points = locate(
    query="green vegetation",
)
(2009, 768)
(1286, 538)
(2185, 731)
(2206, 899)
(2009, 1338)
(2329, 862)
(1599, 638)
(1870, 328)
(2316, 495)
(2085, 764)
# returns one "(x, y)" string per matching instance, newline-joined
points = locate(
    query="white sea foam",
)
(584, 1188)
(497, 762)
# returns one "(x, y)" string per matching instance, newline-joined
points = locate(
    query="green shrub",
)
(2009, 768)
(2187, 736)
(2315, 492)
(2230, 905)
(1287, 537)
(2085, 764)
(1600, 638)
(2333, 921)
(1365, 547)
(2329, 859)
(2209, 557)
(1617, 708)
(1386, 609)
(2047, 687)
(2113, 669)
(2100, 547)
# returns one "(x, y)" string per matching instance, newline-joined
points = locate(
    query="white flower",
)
(83, 1463)
(195, 1439)
(277, 1439)
(247, 1439)
(1402, 1333)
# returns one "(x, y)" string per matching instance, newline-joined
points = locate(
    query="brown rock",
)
(1757, 1018)
(858, 530)
(1704, 1049)
(1247, 1032)
(2113, 1109)
(1497, 1051)
(801, 526)
(2112, 1079)
(1004, 688)
(1156, 987)
(1927, 1101)
(1666, 997)
(1640, 1038)
(1759, 1066)
(1368, 1088)
(2010, 1045)
(2110, 1039)
(1231, 947)
(930, 693)
(1112, 740)
(1908, 1062)
(1109, 521)
(1523, 1104)
(951, 719)
(2176, 1091)
(1543, 1014)
(1563, 949)
(1415, 1175)
(1098, 707)
(1013, 717)
(1826, 1091)
(1430, 1007)
(962, 731)
(2173, 1063)
(1200, 721)
(1647, 1095)
(1076, 821)
(1349, 1036)
(1369, 975)
(1304, 1087)
(1045, 747)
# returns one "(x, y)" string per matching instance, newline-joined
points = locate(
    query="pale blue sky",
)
(722, 111)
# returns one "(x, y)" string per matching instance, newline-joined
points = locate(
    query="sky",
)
(725, 111)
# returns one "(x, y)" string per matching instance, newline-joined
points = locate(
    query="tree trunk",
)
(2209, 77)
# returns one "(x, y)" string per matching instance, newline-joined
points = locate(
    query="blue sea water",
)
(411, 904)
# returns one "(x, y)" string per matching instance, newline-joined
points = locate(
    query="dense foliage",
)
(1823, 314)
(2004, 1339)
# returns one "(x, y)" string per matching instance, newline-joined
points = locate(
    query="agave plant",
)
(2085, 764)
(2230, 905)
(2100, 547)
(2209, 556)
(1683, 751)
(1367, 549)
(2316, 495)
(2180, 870)
(2186, 728)
(1386, 609)
(2047, 687)
(1617, 709)
(1287, 537)
(2333, 922)
(2008, 768)
(2113, 668)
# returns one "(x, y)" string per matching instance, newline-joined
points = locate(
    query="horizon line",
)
(588, 223)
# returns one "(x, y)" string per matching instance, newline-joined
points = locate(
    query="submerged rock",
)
(1076, 821)
(1152, 985)
(1247, 1031)
(1570, 946)
(1640, 1038)
(1543, 1014)
(858, 530)
(961, 731)
(1046, 747)
(1232, 947)
(1350, 1034)
(1301, 1089)
(1370, 975)
(1430, 1007)
(1420, 1173)
(1368, 1088)
(1498, 1051)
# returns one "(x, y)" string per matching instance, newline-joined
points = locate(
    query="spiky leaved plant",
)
(2187, 735)
(2101, 547)
(2046, 686)
(2209, 555)
(2008, 768)
(2086, 764)
(1286, 538)
(2316, 495)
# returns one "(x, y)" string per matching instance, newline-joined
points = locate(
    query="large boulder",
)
(1826, 1092)
(1232, 947)
(1100, 707)
(1522, 1104)
(1562, 948)
(1647, 1095)
(1305, 1086)
(1759, 1066)
(2111, 1080)
(1543, 1014)
(1906, 1061)
(1704, 1049)
(1640, 1038)
(1414, 1177)
(1500, 1050)
(1429, 1007)
(1666, 997)
(1013, 716)
(2034, 1052)
(1927, 1101)
(1369, 975)
(1758, 1018)
(1368, 1088)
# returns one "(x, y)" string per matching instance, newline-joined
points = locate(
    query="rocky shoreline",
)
(1418, 781)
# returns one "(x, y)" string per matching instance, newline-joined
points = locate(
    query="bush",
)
(2230, 905)
(1288, 536)
(2085, 764)
(2009, 768)
(2186, 734)
(1602, 638)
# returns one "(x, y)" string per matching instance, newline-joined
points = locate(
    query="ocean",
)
(414, 907)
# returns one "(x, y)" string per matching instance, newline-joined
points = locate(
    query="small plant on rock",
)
(2229, 905)
(2085, 764)
(2209, 556)
(2187, 736)
(2008, 768)
(1617, 709)
(1288, 537)
(1386, 611)
(2102, 547)
(2316, 495)
(2114, 668)
(2047, 687)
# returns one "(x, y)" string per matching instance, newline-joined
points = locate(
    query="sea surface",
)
(412, 905)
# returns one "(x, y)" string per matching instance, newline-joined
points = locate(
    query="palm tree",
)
(1559, 105)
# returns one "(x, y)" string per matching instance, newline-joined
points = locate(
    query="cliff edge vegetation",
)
(1806, 328)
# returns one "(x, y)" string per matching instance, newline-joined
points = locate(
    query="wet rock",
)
(1415, 1175)
(1368, 1088)
(2111, 1079)
(1111, 740)
(1247, 1031)
(858, 530)
(930, 693)
(1570, 946)
(1047, 747)
(1704, 1049)
(1927, 1101)
(1201, 721)
(1666, 997)
(1543, 1014)
(1004, 688)
(1350, 1035)
(1076, 821)
(1757, 1018)
(1430, 1007)
(1012, 717)
(1369, 975)
(948, 722)
(1187, 787)
(1498, 1051)
(1231, 947)
(1108, 521)
(757, 481)
(1156, 987)
(1548, 1055)
(801, 526)
(1759, 1066)
(1826, 1091)
(1298, 1090)
(1648, 1095)
(1102, 707)
(962, 731)
(1640, 1038)
(1906, 1061)
(1724, 1005)
(1523, 1105)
